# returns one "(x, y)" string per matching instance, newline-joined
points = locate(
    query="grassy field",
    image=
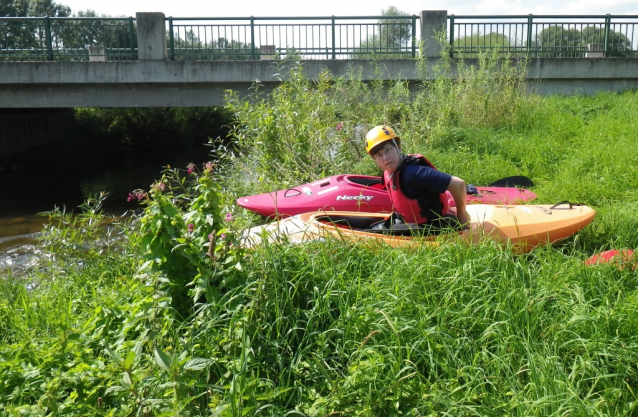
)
(141, 317)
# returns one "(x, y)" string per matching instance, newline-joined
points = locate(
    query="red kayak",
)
(620, 257)
(364, 193)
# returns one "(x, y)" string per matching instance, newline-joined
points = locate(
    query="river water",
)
(65, 174)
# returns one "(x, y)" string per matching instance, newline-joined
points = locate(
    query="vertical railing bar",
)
(171, 39)
(484, 26)
(309, 34)
(219, 35)
(529, 33)
(208, 34)
(47, 38)
(451, 17)
(252, 38)
(340, 43)
(607, 23)
(414, 17)
(131, 29)
(490, 40)
(283, 30)
(334, 41)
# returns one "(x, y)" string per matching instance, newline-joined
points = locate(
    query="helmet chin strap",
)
(401, 154)
(401, 157)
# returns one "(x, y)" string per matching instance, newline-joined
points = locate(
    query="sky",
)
(296, 8)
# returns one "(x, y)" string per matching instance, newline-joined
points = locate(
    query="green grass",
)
(330, 328)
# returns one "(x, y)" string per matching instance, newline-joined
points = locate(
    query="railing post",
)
(530, 20)
(607, 24)
(334, 41)
(171, 38)
(252, 37)
(151, 36)
(452, 36)
(131, 38)
(48, 39)
(432, 22)
(414, 17)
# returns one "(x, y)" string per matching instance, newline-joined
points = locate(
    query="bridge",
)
(157, 61)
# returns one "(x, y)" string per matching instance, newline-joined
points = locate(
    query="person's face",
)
(387, 157)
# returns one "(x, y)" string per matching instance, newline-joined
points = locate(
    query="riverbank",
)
(166, 314)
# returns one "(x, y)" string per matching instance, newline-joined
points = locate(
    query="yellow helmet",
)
(378, 135)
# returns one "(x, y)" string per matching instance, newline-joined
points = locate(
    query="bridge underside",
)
(204, 83)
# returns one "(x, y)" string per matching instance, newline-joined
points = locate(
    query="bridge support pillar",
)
(432, 22)
(151, 36)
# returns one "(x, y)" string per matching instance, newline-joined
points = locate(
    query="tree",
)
(190, 46)
(14, 35)
(7, 8)
(69, 37)
(480, 43)
(223, 49)
(392, 38)
(617, 44)
(115, 35)
(558, 41)
(47, 8)
(17, 36)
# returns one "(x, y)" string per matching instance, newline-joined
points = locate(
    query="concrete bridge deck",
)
(203, 83)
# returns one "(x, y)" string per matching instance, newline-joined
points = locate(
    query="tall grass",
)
(334, 328)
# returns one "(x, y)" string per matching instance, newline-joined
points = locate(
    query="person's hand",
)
(464, 218)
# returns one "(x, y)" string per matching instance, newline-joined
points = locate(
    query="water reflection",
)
(64, 175)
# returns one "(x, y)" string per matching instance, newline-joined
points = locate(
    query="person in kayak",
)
(416, 187)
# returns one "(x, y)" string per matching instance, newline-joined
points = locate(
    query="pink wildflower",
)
(159, 186)
(229, 217)
(191, 168)
(223, 236)
(136, 195)
(191, 226)
(208, 167)
(339, 126)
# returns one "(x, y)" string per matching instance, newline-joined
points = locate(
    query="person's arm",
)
(456, 187)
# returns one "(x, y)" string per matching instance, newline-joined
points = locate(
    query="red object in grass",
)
(618, 256)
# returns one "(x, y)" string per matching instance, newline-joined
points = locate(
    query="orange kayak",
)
(524, 226)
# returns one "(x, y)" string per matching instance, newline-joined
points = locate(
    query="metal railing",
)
(67, 39)
(354, 37)
(332, 37)
(544, 36)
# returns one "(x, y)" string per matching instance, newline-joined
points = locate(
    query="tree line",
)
(22, 38)
(552, 41)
